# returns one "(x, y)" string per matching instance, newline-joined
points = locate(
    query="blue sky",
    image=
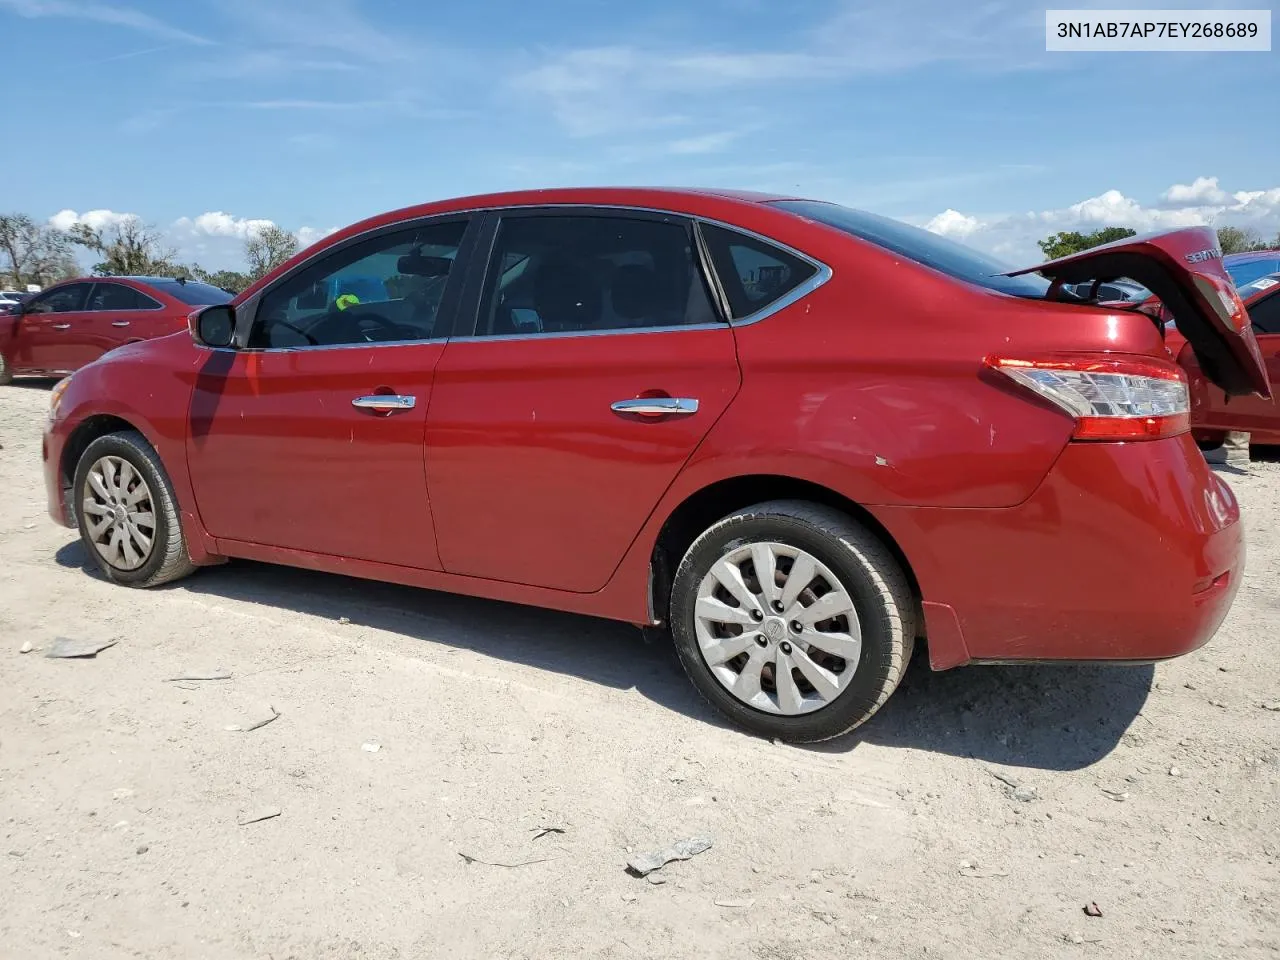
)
(205, 116)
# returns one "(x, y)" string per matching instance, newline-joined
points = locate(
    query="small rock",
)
(121, 793)
(142, 848)
(370, 747)
(1074, 938)
(1217, 703)
(1092, 910)
(1175, 772)
(17, 853)
(26, 647)
(344, 620)
(1273, 706)
(1189, 686)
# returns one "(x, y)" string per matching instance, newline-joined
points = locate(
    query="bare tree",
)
(128, 248)
(267, 248)
(1239, 240)
(33, 252)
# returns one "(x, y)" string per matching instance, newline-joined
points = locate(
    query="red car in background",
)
(75, 322)
(1213, 411)
(801, 436)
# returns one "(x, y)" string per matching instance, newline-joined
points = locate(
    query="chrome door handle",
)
(62, 326)
(657, 406)
(119, 323)
(385, 402)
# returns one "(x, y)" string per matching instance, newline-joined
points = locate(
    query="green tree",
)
(1067, 242)
(1240, 240)
(31, 252)
(232, 280)
(267, 248)
(128, 248)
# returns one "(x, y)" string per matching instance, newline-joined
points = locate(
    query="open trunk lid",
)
(1184, 269)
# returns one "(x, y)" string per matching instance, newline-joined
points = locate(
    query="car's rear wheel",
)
(6, 373)
(127, 513)
(793, 620)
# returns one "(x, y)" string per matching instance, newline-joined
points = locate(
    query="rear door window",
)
(754, 273)
(116, 296)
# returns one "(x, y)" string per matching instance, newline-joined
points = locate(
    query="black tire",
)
(168, 559)
(875, 582)
(6, 372)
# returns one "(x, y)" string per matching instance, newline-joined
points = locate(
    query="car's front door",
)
(49, 331)
(1253, 412)
(596, 367)
(309, 436)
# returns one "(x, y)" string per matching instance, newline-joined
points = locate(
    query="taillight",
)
(1132, 398)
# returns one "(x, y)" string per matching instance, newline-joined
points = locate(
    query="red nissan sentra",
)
(802, 436)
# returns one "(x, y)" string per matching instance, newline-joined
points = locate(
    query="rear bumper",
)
(1126, 552)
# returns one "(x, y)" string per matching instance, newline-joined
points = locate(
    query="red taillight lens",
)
(1132, 398)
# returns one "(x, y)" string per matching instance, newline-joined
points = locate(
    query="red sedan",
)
(802, 436)
(1213, 411)
(75, 322)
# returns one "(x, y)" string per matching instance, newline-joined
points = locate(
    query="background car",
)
(1213, 413)
(801, 435)
(1244, 268)
(70, 324)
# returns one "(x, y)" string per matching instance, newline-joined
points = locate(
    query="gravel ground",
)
(978, 814)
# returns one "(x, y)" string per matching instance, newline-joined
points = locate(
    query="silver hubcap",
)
(777, 629)
(119, 513)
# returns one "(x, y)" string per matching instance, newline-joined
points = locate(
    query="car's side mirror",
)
(213, 326)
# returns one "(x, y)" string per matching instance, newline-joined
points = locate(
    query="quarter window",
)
(585, 274)
(116, 296)
(387, 289)
(754, 273)
(63, 300)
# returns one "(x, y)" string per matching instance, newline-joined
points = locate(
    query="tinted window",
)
(192, 292)
(385, 289)
(754, 273)
(946, 256)
(116, 296)
(569, 274)
(1265, 314)
(63, 300)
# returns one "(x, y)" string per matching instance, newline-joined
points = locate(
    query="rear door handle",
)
(385, 402)
(119, 323)
(657, 406)
(62, 326)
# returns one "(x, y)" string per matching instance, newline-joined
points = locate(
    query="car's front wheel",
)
(793, 620)
(127, 513)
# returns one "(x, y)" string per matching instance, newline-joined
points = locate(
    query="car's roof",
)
(1257, 289)
(1250, 255)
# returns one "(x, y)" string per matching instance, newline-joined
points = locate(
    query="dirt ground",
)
(977, 815)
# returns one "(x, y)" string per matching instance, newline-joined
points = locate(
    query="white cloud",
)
(1202, 190)
(953, 223)
(219, 224)
(96, 219)
(102, 13)
(309, 235)
(1013, 236)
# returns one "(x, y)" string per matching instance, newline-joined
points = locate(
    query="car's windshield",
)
(192, 291)
(946, 256)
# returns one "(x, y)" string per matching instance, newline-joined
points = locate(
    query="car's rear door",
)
(309, 436)
(120, 313)
(596, 366)
(50, 331)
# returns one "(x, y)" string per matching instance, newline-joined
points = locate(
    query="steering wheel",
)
(394, 329)
(281, 322)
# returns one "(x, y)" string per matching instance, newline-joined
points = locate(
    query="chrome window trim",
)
(823, 274)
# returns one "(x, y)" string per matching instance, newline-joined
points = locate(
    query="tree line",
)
(1230, 240)
(37, 253)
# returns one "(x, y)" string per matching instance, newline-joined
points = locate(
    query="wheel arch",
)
(700, 509)
(87, 431)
